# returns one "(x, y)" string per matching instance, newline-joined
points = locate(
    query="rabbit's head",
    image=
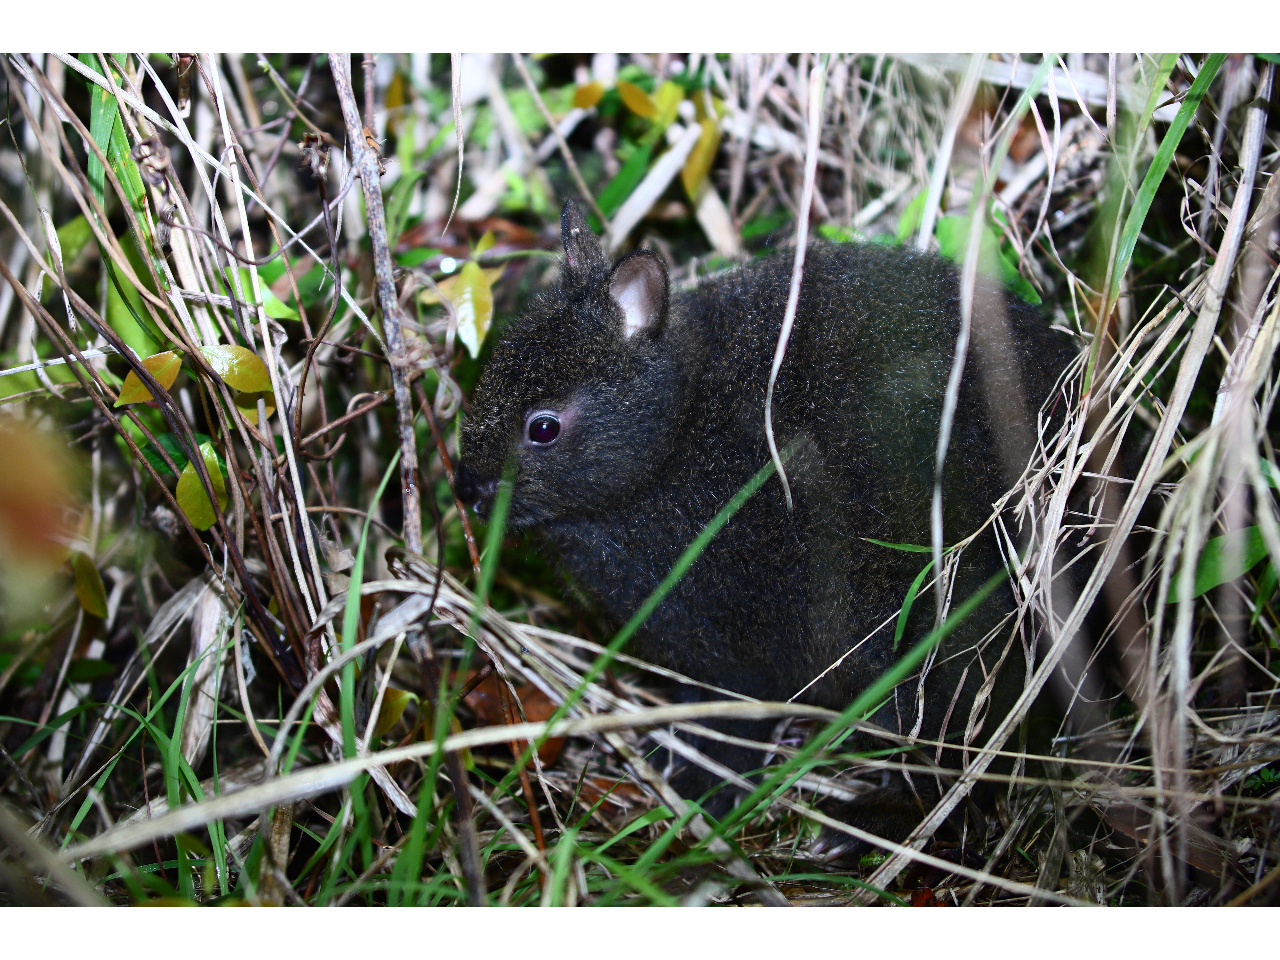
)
(583, 396)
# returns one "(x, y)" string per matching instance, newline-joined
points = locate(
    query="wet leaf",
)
(247, 404)
(699, 163)
(89, 589)
(191, 495)
(239, 367)
(393, 704)
(163, 366)
(1224, 559)
(472, 297)
(637, 101)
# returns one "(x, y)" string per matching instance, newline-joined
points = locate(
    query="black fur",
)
(661, 428)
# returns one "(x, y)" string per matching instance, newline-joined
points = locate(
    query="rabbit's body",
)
(656, 430)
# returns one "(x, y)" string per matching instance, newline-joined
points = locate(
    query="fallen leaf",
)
(486, 702)
(925, 897)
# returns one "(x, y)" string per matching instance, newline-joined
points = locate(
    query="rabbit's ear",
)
(639, 286)
(582, 251)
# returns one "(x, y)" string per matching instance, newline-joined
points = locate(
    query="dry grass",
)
(212, 715)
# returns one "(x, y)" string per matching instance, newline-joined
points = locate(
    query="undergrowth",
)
(252, 650)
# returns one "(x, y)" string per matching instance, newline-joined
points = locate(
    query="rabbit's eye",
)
(543, 429)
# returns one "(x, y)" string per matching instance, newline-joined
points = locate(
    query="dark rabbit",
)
(633, 414)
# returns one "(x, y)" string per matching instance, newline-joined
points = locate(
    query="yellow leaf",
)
(588, 95)
(247, 404)
(486, 242)
(666, 103)
(472, 297)
(700, 159)
(89, 588)
(239, 367)
(450, 284)
(637, 100)
(163, 366)
(191, 495)
(393, 704)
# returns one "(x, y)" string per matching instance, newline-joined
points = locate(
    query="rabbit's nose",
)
(474, 490)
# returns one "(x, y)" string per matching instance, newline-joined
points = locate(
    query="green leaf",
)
(174, 449)
(484, 244)
(89, 589)
(271, 304)
(272, 270)
(125, 310)
(191, 494)
(87, 670)
(163, 366)
(901, 626)
(765, 224)
(1269, 472)
(908, 547)
(275, 307)
(912, 214)
(619, 188)
(836, 234)
(1266, 590)
(398, 200)
(107, 129)
(73, 237)
(103, 114)
(953, 234)
(1224, 559)
(412, 258)
(239, 367)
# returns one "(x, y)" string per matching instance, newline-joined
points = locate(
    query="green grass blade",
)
(1159, 166)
